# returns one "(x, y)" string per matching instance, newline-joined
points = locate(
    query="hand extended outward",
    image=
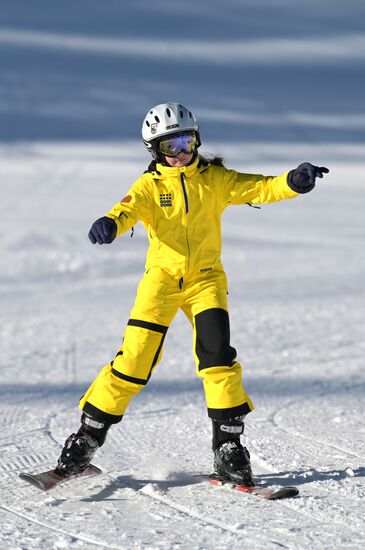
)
(103, 231)
(303, 178)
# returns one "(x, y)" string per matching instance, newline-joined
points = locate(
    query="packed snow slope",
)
(273, 84)
(296, 272)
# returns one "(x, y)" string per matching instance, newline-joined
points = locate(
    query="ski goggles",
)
(174, 144)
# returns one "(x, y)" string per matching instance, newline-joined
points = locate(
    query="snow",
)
(295, 269)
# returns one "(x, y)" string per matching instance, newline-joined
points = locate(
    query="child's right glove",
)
(103, 231)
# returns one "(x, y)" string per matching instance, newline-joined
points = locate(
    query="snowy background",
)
(273, 84)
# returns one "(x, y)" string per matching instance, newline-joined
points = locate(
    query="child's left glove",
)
(303, 178)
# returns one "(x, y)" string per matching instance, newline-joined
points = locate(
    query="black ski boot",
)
(79, 448)
(231, 459)
(77, 453)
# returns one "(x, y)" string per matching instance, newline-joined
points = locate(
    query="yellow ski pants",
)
(203, 298)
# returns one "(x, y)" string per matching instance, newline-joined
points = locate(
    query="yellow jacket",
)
(181, 210)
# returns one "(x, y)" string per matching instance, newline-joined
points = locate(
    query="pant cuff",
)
(224, 414)
(98, 414)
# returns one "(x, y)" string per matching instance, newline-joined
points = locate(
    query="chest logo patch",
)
(166, 199)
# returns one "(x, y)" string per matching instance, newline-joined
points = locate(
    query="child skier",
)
(180, 200)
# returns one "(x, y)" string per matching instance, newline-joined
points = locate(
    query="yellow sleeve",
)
(239, 188)
(135, 206)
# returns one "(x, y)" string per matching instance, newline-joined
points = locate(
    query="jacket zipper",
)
(182, 179)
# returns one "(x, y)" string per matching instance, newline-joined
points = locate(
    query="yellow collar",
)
(177, 170)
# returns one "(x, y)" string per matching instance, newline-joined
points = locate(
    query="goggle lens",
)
(172, 145)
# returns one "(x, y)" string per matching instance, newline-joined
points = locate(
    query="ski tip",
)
(284, 492)
(33, 480)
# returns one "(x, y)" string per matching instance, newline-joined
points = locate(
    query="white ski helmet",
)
(165, 119)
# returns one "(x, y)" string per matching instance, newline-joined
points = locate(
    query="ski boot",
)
(231, 459)
(79, 448)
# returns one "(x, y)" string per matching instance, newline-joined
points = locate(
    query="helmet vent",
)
(168, 112)
(190, 115)
(147, 123)
(181, 114)
(157, 119)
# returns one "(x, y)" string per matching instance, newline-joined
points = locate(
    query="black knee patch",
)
(212, 346)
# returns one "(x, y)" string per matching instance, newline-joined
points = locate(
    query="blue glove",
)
(103, 231)
(303, 179)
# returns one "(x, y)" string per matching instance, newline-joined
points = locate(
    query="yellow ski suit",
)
(181, 210)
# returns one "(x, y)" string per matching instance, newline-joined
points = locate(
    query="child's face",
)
(182, 159)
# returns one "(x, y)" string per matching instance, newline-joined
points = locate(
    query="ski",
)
(51, 478)
(267, 493)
